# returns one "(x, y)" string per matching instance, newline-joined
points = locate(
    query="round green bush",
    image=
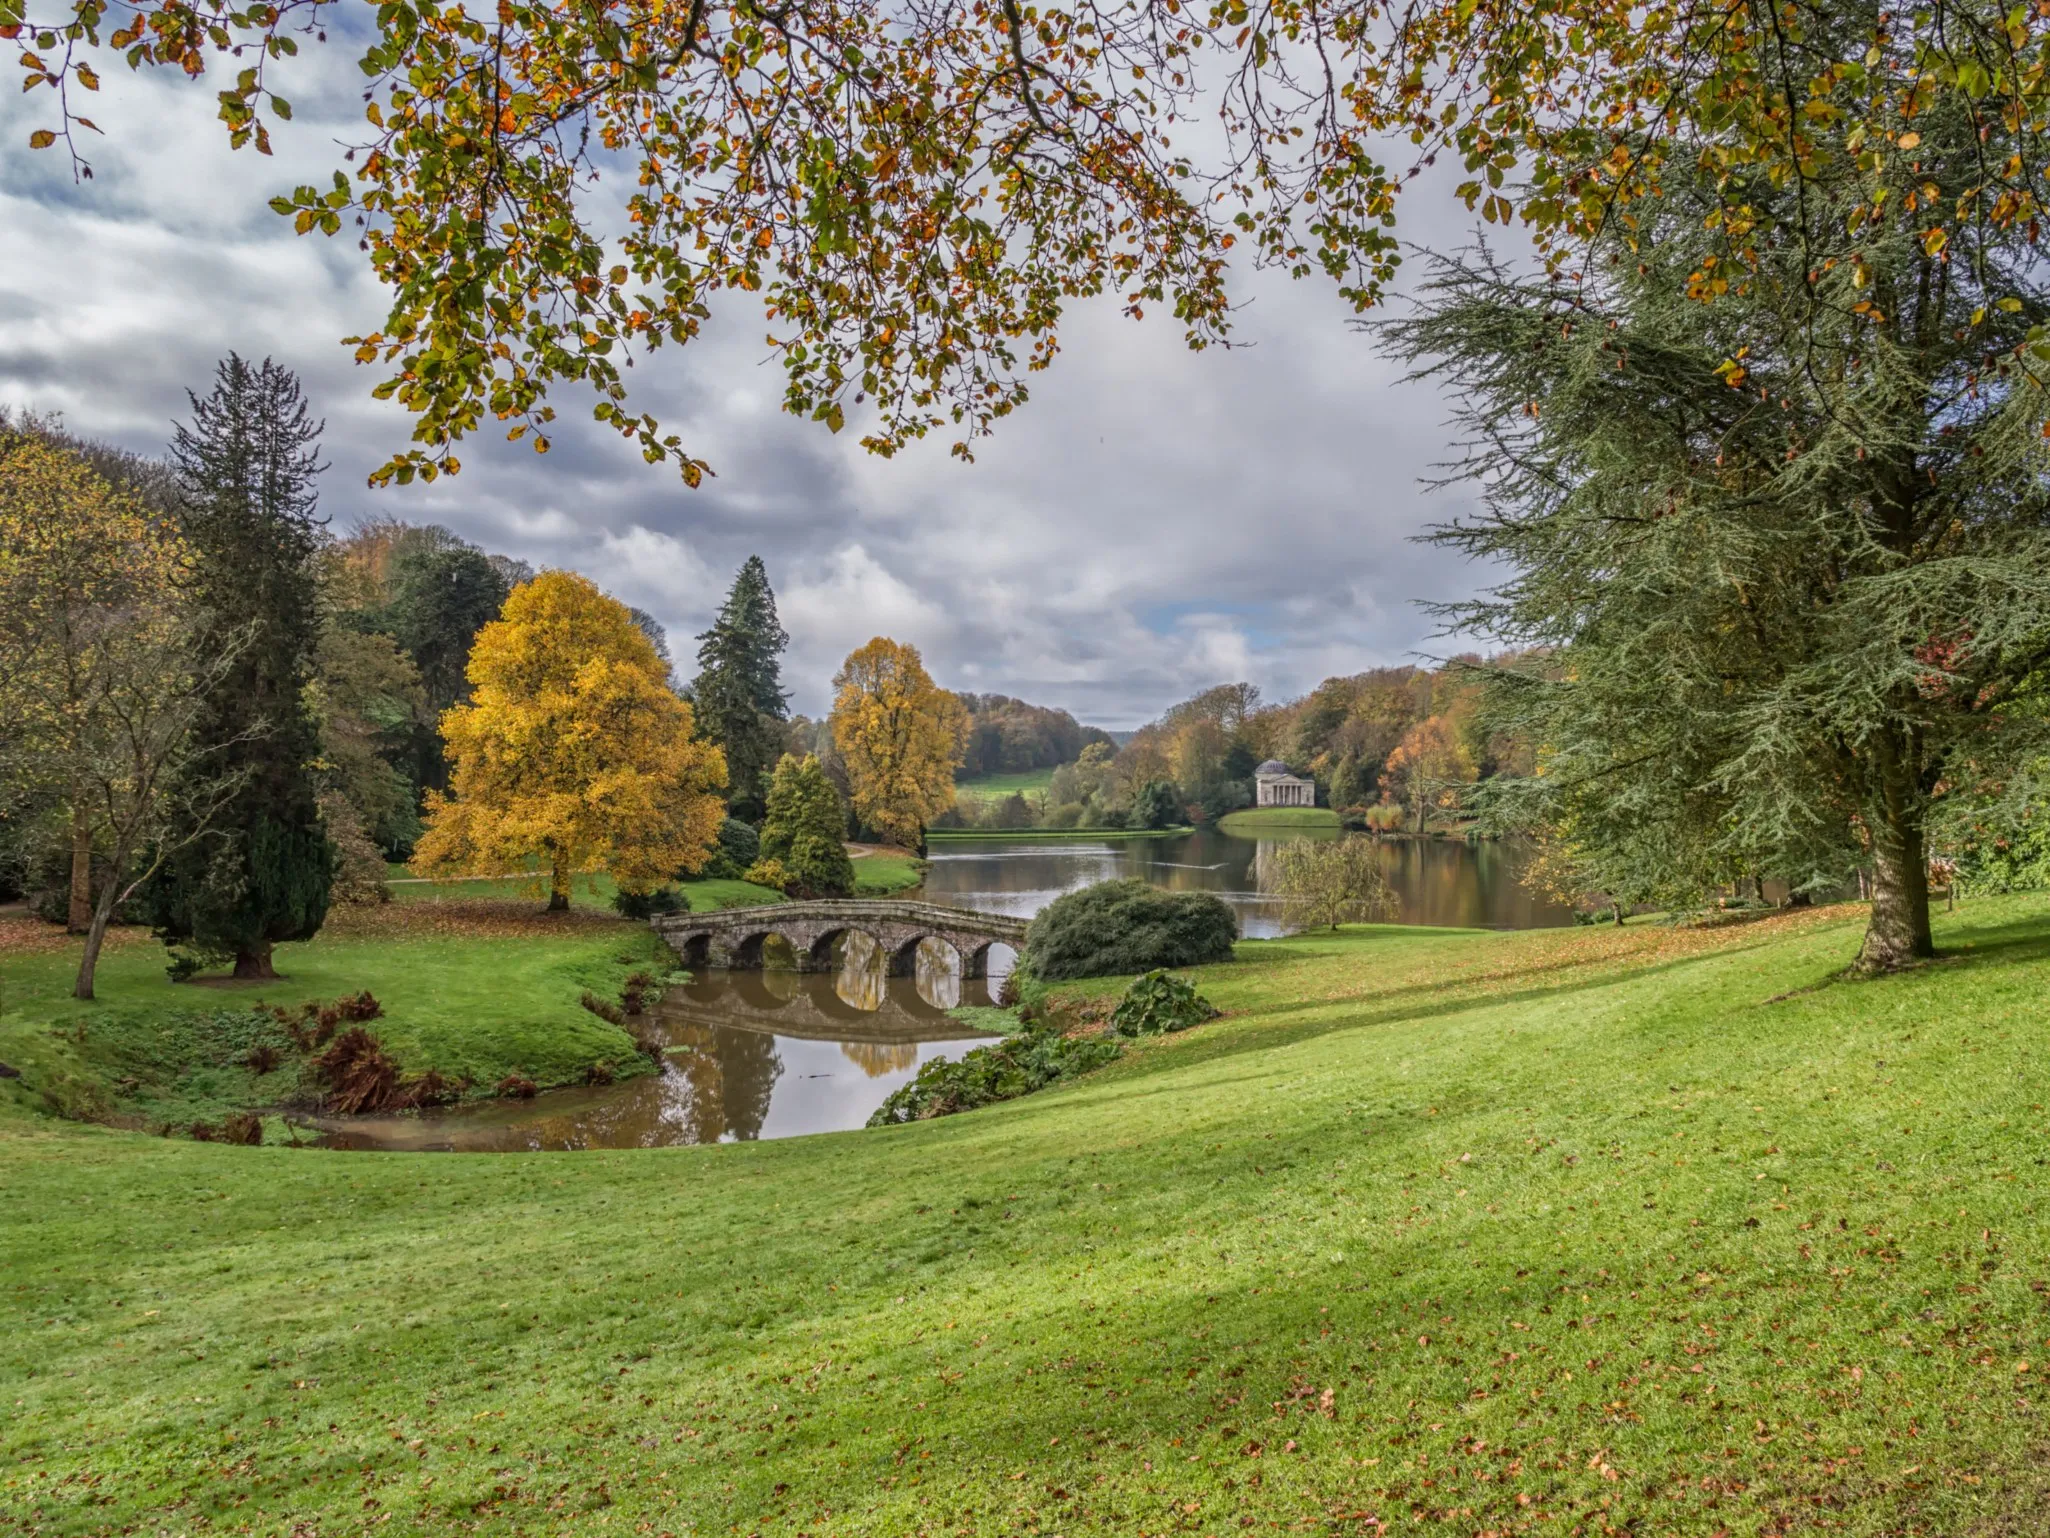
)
(1128, 926)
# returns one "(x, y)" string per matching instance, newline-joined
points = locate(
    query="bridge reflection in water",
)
(770, 1053)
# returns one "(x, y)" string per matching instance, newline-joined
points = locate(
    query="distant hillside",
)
(1012, 736)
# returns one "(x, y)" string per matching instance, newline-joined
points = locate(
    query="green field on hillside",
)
(1642, 1230)
(987, 787)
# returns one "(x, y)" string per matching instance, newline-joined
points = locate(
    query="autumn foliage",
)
(900, 736)
(572, 754)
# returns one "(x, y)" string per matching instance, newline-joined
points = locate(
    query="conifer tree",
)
(1779, 519)
(804, 830)
(738, 692)
(246, 467)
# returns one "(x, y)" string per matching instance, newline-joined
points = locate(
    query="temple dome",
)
(1273, 766)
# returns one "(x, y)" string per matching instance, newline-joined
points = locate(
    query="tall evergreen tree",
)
(739, 688)
(1771, 487)
(246, 467)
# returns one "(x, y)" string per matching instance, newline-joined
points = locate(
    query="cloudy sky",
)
(1155, 521)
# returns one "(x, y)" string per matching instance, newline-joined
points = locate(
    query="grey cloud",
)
(1153, 522)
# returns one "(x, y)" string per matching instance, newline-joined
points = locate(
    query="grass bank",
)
(1266, 819)
(1638, 1230)
(476, 989)
(883, 870)
(593, 890)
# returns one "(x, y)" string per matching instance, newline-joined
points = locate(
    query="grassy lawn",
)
(477, 989)
(988, 787)
(1574, 1231)
(882, 872)
(1268, 818)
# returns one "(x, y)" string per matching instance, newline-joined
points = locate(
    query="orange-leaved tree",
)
(572, 753)
(1428, 768)
(900, 736)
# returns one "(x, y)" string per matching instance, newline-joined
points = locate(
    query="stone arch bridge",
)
(733, 937)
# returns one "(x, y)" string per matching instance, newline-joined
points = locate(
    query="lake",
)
(1436, 881)
(781, 1053)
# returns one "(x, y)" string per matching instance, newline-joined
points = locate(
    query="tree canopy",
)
(738, 691)
(1785, 557)
(572, 752)
(899, 735)
(100, 679)
(805, 831)
(915, 194)
(246, 467)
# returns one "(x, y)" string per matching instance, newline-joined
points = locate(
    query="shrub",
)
(1128, 926)
(645, 905)
(359, 1077)
(191, 961)
(1004, 1070)
(768, 873)
(633, 996)
(244, 1128)
(1384, 817)
(1159, 1001)
(517, 1086)
(739, 846)
(432, 1088)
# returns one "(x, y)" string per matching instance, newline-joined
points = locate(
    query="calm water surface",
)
(1437, 881)
(749, 1055)
(780, 1053)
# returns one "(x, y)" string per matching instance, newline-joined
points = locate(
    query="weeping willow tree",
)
(1768, 476)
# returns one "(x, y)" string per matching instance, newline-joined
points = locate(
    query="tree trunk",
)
(558, 888)
(95, 936)
(1898, 932)
(80, 917)
(255, 964)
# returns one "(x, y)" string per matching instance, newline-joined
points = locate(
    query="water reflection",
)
(777, 1052)
(1436, 881)
(748, 1055)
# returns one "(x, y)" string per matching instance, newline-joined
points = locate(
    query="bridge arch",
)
(735, 937)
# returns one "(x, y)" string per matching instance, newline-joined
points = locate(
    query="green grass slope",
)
(474, 989)
(1586, 1231)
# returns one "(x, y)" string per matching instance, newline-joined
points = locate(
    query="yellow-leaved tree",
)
(900, 736)
(573, 753)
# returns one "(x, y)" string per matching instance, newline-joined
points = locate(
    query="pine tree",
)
(246, 467)
(739, 688)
